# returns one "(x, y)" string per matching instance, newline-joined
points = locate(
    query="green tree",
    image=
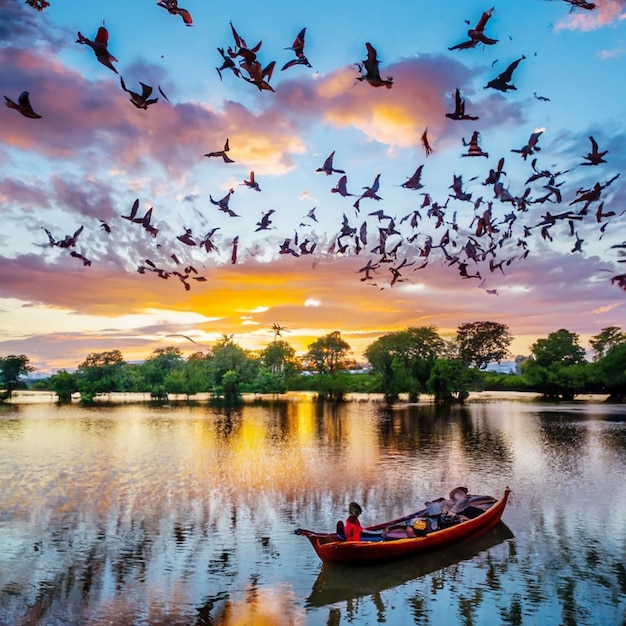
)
(610, 371)
(197, 374)
(606, 340)
(328, 353)
(557, 366)
(12, 368)
(561, 346)
(230, 383)
(101, 372)
(227, 356)
(403, 360)
(481, 343)
(64, 384)
(268, 382)
(450, 380)
(279, 358)
(161, 363)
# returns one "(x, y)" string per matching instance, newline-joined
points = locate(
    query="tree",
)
(557, 366)
(158, 366)
(610, 371)
(403, 360)
(230, 383)
(227, 356)
(101, 372)
(279, 358)
(481, 343)
(450, 380)
(64, 384)
(561, 346)
(606, 340)
(12, 368)
(328, 353)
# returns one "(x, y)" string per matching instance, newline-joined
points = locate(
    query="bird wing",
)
(186, 16)
(146, 90)
(464, 45)
(508, 72)
(484, 18)
(371, 53)
(298, 43)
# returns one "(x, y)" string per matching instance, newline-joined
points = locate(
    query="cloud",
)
(606, 12)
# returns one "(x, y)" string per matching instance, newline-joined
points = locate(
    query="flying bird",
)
(83, 258)
(223, 203)
(342, 187)
(251, 184)
(207, 241)
(40, 5)
(582, 4)
(298, 47)
(474, 149)
(233, 254)
(259, 75)
(311, 215)
(184, 337)
(594, 157)
(142, 100)
(328, 168)
(531, 147)
(222, 153)
(23, 105)
(133, 211)
(69, 241)
(415, 181)
(459, 109)
(99, 46)
(370, 192)
(426, 143)
(187, 238)
(265, 221)
(502, 82)
(227, 64)
(477, 34)
(171, 6)
(372, 73)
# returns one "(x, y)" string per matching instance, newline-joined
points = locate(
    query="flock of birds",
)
(491, 240)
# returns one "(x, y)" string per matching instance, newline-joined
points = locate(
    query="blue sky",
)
(92, 154)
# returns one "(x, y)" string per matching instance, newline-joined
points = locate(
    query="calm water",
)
(136, 514)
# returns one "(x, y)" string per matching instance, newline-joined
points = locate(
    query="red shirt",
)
(352, 529)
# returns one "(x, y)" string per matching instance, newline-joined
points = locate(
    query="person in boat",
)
(352, 526)
(352, 530)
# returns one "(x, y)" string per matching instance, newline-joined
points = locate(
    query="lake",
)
(133, 513)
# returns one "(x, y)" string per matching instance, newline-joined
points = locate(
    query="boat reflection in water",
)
(341, 583)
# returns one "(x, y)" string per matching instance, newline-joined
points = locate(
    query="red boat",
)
(443, 522)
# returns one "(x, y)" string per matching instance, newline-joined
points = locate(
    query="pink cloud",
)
(606, 12)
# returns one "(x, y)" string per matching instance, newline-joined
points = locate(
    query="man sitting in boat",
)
(352, 527)
(352, 530)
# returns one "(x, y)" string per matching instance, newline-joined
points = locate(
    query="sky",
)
(441, 257)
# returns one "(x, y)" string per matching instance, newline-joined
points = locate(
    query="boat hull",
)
(331, 549)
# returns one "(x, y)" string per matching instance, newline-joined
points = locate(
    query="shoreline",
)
(25, 396)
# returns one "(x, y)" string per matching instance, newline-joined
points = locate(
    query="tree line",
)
(413, 361)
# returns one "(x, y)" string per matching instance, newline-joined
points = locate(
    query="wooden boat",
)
(341, 583)
(452, 521)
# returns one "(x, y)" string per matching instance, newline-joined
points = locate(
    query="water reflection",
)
(141, 514)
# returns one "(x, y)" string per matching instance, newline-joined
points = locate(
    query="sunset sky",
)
(92, 154)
